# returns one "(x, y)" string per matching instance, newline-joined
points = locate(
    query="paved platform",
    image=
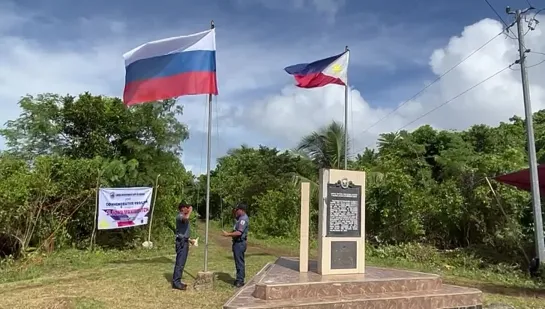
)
(280, 285)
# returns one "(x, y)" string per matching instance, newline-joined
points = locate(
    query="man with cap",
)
(182, 244)
(239, 236)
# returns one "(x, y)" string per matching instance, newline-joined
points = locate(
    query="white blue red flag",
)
(332, 70)
(173, 67)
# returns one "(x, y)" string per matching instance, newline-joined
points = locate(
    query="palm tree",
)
(387, 139)
(325, 147)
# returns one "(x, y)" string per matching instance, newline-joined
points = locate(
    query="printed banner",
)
(123, 207)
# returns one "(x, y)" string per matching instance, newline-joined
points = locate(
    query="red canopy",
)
(521, 179)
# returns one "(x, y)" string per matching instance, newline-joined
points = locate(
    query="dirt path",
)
(214, 235)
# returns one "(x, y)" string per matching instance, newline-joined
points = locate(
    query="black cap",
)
(183, 205)
(241, 206)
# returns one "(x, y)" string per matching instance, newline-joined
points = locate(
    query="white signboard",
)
(123, 207)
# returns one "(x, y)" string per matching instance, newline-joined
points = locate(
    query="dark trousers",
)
(239, 248)
(182, 249)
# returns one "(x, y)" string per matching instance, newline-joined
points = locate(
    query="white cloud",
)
(295, 112)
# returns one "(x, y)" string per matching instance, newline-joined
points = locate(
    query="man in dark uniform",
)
(182, 244)
(239, 236)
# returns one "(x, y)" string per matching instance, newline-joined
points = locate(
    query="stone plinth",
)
(281, 286)
(204, 281)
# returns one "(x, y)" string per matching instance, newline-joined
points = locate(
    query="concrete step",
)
(447, 297)
(331, 286)
(284, 281)
(280, 285)
(242, 293)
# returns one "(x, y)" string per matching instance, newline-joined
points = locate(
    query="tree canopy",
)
(62, 147)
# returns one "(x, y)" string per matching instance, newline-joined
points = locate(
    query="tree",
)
(90, 126)
(65, 144)
(246, 173)
(260, 177)
(434, 189)
(365, 160)
(387, 139)
(325, 147)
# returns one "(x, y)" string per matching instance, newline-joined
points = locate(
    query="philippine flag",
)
(332, 70)
(173, 67)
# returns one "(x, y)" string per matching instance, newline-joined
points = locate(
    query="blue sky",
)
(396, 48)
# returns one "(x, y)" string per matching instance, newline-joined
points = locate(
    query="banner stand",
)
(93, 234)
(119, 208)
(148, 244)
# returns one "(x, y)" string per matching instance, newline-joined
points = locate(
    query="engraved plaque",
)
(343, 211)
(344, 254)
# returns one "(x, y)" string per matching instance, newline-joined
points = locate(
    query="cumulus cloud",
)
(295, 112)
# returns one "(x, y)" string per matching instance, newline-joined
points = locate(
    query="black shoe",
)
(239, 284)
(181, 287)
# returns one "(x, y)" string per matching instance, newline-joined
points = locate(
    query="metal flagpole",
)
(208, 161)
(346, 118)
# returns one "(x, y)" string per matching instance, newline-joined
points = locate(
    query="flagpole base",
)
(204, 281)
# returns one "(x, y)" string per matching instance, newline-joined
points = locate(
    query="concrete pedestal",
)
(204, 281)
(280, 285)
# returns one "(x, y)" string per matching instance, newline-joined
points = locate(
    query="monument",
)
(339, 277)
(341, 242)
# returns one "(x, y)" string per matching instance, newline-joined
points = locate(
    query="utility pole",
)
(536, 199)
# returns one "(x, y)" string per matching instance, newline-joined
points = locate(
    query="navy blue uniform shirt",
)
(182, 227)
(242, 226)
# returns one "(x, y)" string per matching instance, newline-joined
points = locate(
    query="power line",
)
(535, 65)
(496, 12)
(430, 84)
(449, 101)
(507, 27)
(539, 63)
(455, 97)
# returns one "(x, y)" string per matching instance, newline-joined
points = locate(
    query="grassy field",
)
(130, 279)
(140, 278)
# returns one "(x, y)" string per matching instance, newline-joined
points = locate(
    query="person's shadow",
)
(168, 276)
(225, 277)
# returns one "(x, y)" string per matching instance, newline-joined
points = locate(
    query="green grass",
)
(77, 279)
(454, 266)
(73, 279)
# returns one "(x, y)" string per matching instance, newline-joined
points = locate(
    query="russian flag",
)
(332, 70)
(173, 67)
